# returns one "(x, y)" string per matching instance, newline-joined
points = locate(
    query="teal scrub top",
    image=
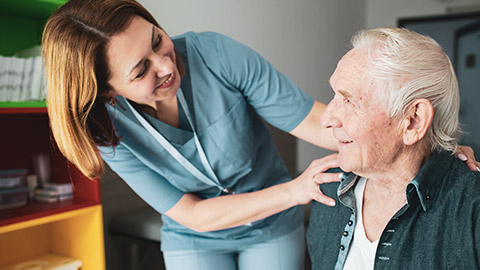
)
(229, 88)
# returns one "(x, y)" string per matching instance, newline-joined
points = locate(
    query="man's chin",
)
(345, 165)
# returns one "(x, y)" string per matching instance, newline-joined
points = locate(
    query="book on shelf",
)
(22, 76)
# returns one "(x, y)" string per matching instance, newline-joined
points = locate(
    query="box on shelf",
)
(62, 188)
(12, 178)
(13, 197)
(46, 262)
(54, 192)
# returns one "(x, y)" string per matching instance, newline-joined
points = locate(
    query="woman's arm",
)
(310, 129)
(234, 210)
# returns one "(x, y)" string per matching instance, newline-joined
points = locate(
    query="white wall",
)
(303, 39)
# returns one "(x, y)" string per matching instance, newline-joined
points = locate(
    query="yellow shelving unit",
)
(77, 234)
(72, 228)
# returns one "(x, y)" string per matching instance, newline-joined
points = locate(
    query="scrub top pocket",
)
(237, 148)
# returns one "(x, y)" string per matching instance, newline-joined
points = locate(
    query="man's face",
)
(368, 140)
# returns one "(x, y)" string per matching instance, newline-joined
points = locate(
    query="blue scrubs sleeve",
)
(153, 188)
(272, 94)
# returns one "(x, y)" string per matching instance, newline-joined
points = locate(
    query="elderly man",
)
(407, 203)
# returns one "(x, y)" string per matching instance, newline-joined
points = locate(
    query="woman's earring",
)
(112, 101)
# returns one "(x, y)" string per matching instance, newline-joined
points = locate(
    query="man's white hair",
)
(410, 66)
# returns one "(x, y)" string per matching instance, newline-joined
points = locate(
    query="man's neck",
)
(384, 192)
(401, 171)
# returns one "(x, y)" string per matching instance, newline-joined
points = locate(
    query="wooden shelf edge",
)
(39, 218)
(22, 104)
(22, 107)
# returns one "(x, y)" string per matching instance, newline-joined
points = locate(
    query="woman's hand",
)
(306, 188)
(465, 153)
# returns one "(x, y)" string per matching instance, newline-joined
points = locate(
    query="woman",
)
(179, 120)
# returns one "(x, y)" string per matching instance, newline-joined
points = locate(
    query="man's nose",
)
(329, 117)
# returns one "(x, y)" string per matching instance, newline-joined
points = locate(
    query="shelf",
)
(76, 233)
(34, 210)
(22, 104)
(47, 212)
(72, 228)
(28, 135)
(22, 107)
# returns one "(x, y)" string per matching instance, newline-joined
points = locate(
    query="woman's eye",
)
(158, 42)
(346, 100)
(141, 73)
(144, 70)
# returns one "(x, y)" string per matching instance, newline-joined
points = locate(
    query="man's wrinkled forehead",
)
(351, 75)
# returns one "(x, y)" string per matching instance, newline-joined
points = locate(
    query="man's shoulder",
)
(457, 192)
(463, 181)
(446, 175)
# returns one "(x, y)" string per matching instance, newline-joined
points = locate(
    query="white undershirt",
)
(361, 254)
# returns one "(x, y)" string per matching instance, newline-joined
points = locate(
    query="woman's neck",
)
(167, 112)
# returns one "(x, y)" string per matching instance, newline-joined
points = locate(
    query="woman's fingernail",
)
(340, 175)
(478, 169)
(332, 203)
(462, 157)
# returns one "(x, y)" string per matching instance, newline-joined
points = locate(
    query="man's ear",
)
(417, 121)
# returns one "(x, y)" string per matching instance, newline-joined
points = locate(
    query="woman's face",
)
(142, 63)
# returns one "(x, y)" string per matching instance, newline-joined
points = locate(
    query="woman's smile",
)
(168, 82)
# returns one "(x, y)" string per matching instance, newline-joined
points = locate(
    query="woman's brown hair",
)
(73, 45)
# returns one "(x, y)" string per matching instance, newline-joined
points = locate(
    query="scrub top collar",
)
(211, 179)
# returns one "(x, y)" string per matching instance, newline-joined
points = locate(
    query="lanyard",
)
(212, 179)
